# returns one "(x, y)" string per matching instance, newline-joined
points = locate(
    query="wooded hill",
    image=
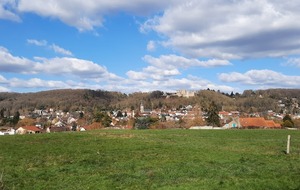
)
(89, 100)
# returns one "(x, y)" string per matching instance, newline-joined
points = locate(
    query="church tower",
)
(142, 109)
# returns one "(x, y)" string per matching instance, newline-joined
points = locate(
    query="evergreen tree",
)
(2, 113)
(16, 118)
(97, 116)
(288, 124)
(102, 117)
(213, 118)
(144, 122)
(106, 120)
(287, 121)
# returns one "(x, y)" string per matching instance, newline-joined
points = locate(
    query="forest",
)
(68, 100)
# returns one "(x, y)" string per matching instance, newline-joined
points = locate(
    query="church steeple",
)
(142, 109)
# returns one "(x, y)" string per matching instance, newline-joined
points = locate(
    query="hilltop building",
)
(180, 93)
(185, 93)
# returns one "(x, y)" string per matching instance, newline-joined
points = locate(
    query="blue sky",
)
(146, 45)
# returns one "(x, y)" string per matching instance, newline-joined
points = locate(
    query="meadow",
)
(151, 159)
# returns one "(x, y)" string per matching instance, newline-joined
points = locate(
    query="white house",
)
(28, 129)
(8, 132)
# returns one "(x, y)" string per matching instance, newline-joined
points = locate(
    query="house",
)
(224, 114)
(234, 124)
(258, 123)
(272, 125)
(9, 131)
(227, 116)
(28, 130)
(71, 120)
(59, 124)
(251, 123)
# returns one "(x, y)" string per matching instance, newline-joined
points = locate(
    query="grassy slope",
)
(151, 159)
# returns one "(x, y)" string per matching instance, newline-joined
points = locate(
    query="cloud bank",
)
(206, 34)
(263, 78)
(206, 28)
(162, 74)
(230, 29)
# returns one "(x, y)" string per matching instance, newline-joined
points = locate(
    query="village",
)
(50, 120)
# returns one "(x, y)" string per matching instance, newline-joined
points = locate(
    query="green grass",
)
(151, 159)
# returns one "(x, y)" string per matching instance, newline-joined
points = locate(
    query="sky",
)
(147, 45)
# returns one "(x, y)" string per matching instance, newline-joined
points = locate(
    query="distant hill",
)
(66, 99)
(280, 93)
(270, 99)
(88, 100)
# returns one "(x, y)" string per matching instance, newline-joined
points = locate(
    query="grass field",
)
(151, 159)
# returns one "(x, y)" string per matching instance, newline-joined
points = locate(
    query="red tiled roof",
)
(277, 125)
(253, 122)
(31, 128)
(93, 126)
(270, 123)
(224, 113)
(258, 122)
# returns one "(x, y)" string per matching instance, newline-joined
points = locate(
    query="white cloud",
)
(127, 85)
(54, 47)
(55, 66)
(71, 66)
(150, 73)
(3, 89)
(8, 84)
(151, 46)
(210, 28)
(60, 50)
(85, 15)
(6, 10)
(293, 62)
(206, 28)
(265, 78)
(87, 74)
(37, 83)
(163, 74)
(175, 61)
(2, 79)
(10, 63)
(166, 67)
(37, 42)
(170, 84)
